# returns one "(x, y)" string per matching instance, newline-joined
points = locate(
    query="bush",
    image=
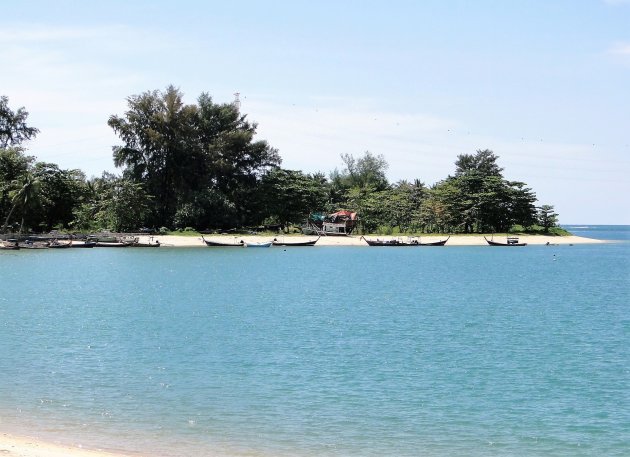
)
(384, 230)
(163, 231)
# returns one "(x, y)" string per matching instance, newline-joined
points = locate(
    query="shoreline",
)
(24, 446)
(356, 240)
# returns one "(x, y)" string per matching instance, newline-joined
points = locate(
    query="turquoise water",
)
(601, 232)
(327, 351)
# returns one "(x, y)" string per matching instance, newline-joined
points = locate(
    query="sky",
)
(545, 84)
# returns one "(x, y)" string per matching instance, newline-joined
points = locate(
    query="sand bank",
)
(455, 240)
(18, 446)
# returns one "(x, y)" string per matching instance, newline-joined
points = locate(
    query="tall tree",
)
(233, 163)
(366, 172)
(483, 163)
(547, 217)
(61, 192)
(158, 136)
(289, 196)
(359, 177)
(14, 165)
(24, 196)
(13, 128)
(479, 199)
(181, 152)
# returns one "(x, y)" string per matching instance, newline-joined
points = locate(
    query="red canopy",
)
(345, 213)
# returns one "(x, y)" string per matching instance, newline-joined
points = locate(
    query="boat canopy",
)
(344, 214)
(319, 217)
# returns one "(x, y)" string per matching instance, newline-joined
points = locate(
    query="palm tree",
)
(23, 195)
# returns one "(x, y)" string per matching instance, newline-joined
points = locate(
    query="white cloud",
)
(42, 33)
(312, 137)
(70, 80)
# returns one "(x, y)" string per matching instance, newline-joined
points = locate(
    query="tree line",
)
(197, 166)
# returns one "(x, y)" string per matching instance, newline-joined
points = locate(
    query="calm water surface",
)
(357, 351)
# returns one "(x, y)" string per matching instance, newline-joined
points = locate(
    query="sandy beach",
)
(357, 240)
(21, 446)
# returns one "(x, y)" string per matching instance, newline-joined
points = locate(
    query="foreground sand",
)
(18, 446)
(455, 240)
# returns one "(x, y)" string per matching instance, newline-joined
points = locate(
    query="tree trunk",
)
(6, 221)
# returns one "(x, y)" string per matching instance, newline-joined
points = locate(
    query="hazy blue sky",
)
(544, 84)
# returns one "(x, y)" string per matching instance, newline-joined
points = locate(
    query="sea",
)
(321, 351)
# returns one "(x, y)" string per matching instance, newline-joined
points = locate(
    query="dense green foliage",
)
(199, 162)
(198, 166)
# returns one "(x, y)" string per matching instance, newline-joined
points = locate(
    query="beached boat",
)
(84, 244)
(9, 245)
(254, 244)
(113, 244)
(275, 242)
(155, 244)
(434, 243)
(220, 244)
(56, 244)
(29, 244)
(510, 241)
(399, 242)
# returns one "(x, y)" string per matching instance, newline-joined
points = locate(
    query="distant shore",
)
(356, 240)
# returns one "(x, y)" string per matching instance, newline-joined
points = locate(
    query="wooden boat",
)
(85, 244)
(156, 244)
(219, 244)
(55, 244)
(511, 241)
(435, 243)
(9, 245)
(275, 242)
(398, 242)
(134, 242)
(29, 244)
(390, 243)
(254, 244)
(113, 244)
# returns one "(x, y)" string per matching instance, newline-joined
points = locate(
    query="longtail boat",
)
(85, 244)
(9, 245)
(511, 241)
(275, 242)
(219, 244)
(115, 244)
(398, 242)
(55, 244)
(29, 244)
(155, 244)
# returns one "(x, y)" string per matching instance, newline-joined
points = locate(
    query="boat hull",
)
(258, 245)
(397, 243)
(294, 244)
(85, 245)
(102, 244)
(146, 245)
(496, 243)
(218, 244)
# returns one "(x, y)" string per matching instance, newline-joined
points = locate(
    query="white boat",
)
(252, 244)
